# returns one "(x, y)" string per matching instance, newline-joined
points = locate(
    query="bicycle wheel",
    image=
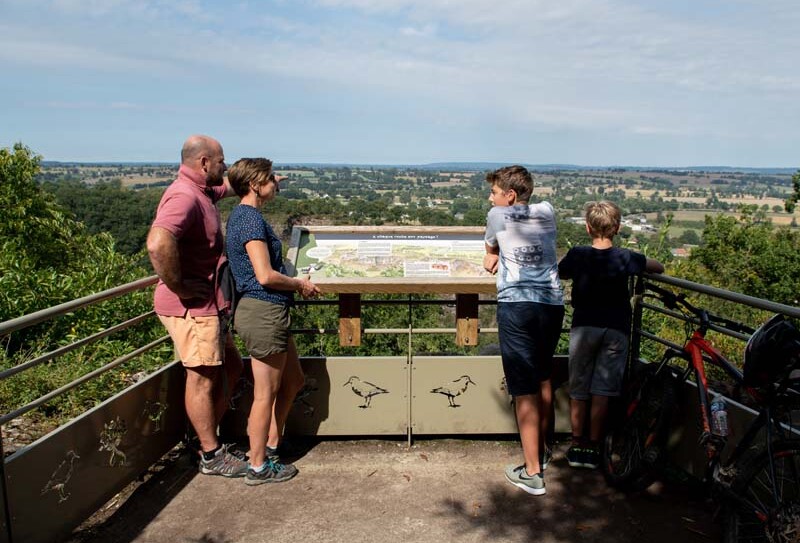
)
(767, 509)
(634, 447)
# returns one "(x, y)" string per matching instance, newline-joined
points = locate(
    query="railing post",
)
(410, 380)
(636, 325)
(5, 517)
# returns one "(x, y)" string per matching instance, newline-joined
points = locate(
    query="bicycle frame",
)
(696, 347)
(696, 351)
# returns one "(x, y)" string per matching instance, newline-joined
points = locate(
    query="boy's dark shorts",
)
(529, 333)
(597, 358)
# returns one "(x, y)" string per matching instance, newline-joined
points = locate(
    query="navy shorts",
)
(529, 333)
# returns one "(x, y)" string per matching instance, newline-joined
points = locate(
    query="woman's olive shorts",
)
(263, 326)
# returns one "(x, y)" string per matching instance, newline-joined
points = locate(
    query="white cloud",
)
(616, 66)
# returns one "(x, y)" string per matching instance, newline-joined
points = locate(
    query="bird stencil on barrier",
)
(244, 387)
(110, 440)
(364, 389)
(154, 412)
(61, 476)
(309, 387)
(454, 389)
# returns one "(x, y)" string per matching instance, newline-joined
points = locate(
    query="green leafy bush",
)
(47, 258)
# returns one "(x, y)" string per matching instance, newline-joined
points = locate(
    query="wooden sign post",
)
(350, 320)
(467, 322)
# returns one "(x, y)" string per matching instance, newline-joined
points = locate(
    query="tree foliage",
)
(48, 258)
(110, 207)
(748, 255)
(792, 200)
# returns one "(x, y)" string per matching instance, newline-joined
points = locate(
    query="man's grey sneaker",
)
(547, 456)
(275, 472)
(532, 484)
(272, 454)
(223, 463)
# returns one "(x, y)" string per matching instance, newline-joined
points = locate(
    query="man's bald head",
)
(198, 146)
(204, 154)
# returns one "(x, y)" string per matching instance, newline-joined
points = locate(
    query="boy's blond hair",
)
(603, 218)
(513, 177)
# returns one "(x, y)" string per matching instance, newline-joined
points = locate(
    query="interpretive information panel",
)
(391, 253)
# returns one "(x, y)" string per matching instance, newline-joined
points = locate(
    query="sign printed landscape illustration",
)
(391, 254)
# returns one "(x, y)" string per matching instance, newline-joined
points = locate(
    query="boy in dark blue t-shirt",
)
(601, 322)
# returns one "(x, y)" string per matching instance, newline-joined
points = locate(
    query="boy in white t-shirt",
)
(521, 249)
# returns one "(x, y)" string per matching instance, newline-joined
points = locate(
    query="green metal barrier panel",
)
(377, 396)
(61, 479)
(460, 395)
(5, 528)
(341, 396)
(352, 396)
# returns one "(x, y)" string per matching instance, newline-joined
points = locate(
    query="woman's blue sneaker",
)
(274, 472)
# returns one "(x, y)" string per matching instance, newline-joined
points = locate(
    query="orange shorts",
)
(198, 340)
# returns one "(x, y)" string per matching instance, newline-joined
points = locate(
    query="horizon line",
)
(468, 165)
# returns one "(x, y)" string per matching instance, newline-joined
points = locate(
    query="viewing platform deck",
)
(383, 491)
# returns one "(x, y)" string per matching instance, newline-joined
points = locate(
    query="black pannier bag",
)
(227, 286)
(772, 353)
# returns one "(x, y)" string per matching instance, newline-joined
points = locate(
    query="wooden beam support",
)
(467, 322)
(349, 320)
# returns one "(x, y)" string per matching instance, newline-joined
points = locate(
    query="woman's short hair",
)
(603, 218)
(248, 172)
(513, 177)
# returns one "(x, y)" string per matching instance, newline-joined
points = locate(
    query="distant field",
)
(128, 175)
(781, 219)
(129, 180)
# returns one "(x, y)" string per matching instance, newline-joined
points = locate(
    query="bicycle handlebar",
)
(678, 302)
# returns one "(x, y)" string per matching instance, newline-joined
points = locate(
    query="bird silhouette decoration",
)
(364, 389)
(300, 400)
(456, 388)
(154, 412)
(240, 390)
(110, 440)
(61, 476)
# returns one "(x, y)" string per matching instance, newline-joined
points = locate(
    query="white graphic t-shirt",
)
(528, 267)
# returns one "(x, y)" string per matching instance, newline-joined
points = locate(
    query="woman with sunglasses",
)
(262, 316)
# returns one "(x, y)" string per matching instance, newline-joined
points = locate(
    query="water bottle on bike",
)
(719, 417)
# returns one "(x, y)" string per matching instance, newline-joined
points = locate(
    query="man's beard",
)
(215, 181)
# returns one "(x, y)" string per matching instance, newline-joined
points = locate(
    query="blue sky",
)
(589, 82)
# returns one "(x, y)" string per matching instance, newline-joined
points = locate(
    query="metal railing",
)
(713, 292)
(26, 321)
(14, 325)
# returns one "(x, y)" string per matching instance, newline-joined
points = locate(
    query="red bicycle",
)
(759, 483)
